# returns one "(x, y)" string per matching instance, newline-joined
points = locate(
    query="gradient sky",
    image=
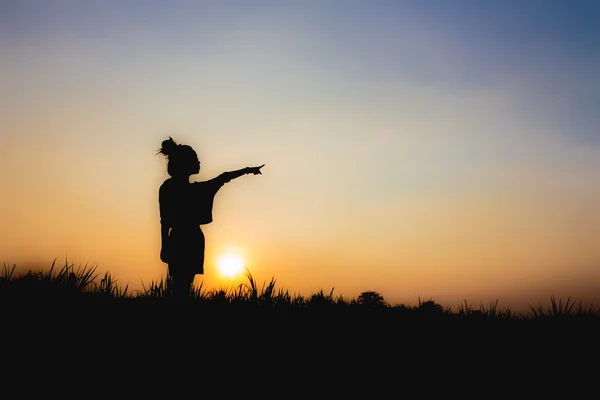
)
(422, 149)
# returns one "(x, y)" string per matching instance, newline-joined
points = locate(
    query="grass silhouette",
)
(73, 313)
(80, 285)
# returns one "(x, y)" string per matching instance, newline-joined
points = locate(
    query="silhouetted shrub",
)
(371, 299)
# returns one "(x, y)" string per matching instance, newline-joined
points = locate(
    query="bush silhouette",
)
(371, 299)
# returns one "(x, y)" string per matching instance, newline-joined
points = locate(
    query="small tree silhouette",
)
(371, 299)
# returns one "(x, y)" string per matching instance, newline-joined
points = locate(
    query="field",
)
(74, 315)
(76, 290)
(73, 286)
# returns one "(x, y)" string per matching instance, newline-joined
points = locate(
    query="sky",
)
(421, 149)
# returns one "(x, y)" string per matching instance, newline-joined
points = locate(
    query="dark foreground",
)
(231, 326)
(174, 350)
(59, 337)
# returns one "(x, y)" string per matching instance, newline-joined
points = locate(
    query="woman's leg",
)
(180, 281)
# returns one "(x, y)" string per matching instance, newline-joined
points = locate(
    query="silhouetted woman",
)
(184, 206)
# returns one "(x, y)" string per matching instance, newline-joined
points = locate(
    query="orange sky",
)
(399, 158)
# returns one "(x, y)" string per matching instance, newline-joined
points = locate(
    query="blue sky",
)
(549, 48)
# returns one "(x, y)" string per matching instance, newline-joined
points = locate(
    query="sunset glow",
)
(421, 149)
(230, 265)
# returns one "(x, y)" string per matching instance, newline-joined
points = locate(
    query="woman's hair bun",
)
(168, 147)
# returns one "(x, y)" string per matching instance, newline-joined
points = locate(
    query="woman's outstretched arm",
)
(227, 176)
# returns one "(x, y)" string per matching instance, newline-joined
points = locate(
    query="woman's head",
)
(183, 160)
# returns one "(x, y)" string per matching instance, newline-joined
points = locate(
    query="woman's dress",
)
(184, 206)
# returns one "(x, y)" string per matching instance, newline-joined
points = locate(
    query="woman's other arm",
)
(164, 236)
(165, 222)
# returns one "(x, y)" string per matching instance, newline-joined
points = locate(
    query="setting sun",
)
(230, 265)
